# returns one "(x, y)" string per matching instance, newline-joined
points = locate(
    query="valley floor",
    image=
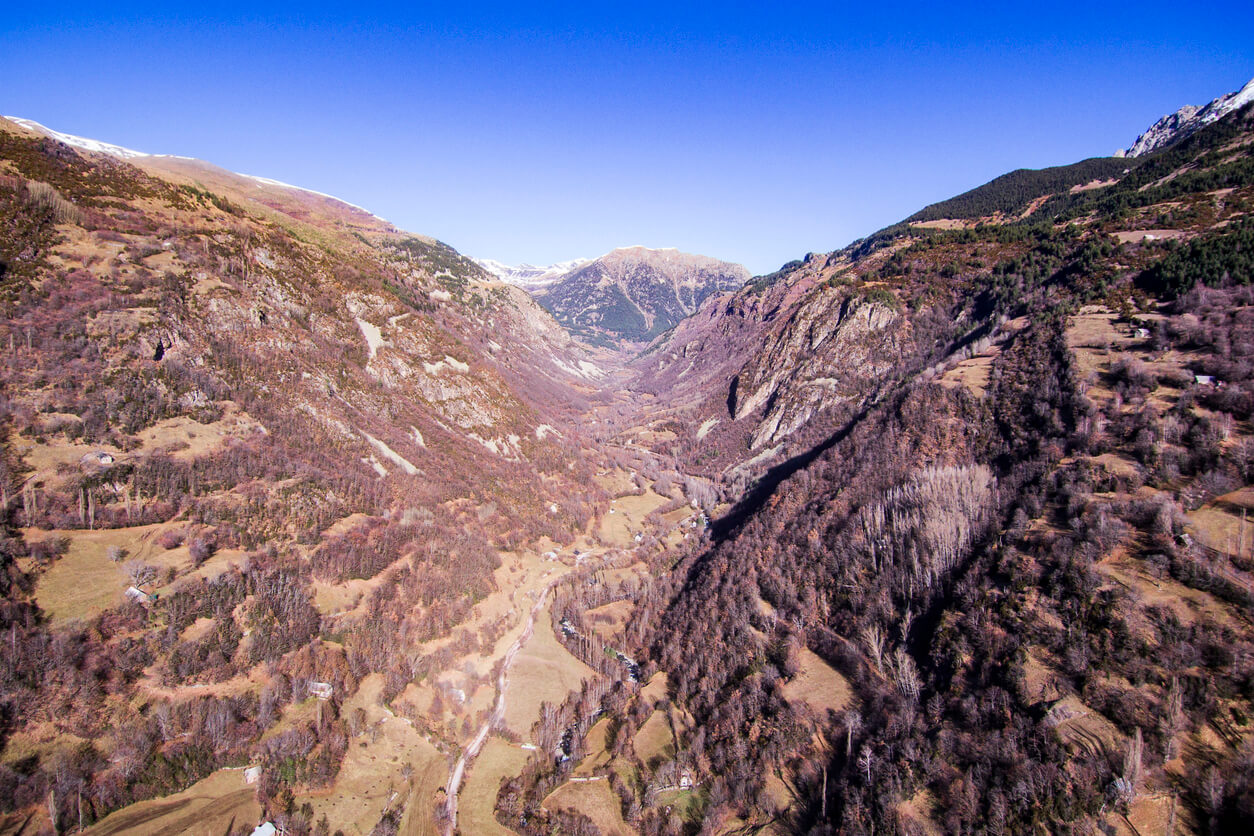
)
(401, 757)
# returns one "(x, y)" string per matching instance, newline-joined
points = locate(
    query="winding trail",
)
(498, 714)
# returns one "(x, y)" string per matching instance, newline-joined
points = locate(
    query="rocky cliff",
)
(1188, 120)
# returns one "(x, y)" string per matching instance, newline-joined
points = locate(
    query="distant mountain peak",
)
(530, 276)
(1188, 120)
(629, 294)
(632, 294)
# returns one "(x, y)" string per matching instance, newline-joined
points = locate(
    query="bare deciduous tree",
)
(873, 639)
(139, 572)
(852, 722)
(906, 674)
(1173, 719)
(1127, 783)
(865, 761)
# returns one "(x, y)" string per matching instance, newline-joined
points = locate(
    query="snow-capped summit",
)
(79, 141)
(1188, 120)
(530, 276)
(165, 160)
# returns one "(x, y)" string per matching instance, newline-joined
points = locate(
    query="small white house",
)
(321, 690)
(99, 457)
(265, 829)
(134, 593)
(1204, 379)
(1141, 333)
(252, 774)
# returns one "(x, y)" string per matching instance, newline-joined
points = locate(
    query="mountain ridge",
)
(167, 162)
(529, 276)
(1186, 121)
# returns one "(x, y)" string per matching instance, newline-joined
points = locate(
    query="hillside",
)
(985, 562)
(303, 438)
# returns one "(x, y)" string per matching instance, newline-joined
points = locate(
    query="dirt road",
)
(498, 714)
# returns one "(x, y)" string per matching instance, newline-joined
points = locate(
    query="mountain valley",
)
(314, 521)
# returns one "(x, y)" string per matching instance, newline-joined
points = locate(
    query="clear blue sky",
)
(532, 132)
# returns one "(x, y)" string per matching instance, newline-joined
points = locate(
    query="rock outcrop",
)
(1187, 121)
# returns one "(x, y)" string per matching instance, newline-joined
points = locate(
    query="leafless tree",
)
(873, 640)
(201, 549)
(906, 621)
(1128, 782)
(1213, 789)
(1173, 719)
(865, 761)
(906, 674)
(852, 722)
(139, 572)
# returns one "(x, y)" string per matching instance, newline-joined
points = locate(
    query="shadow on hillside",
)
(757, 496)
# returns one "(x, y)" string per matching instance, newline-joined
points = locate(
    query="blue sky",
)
(541, 132)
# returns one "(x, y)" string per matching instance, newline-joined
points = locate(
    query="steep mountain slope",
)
(788, 346)
(1188, 120)
(995, 571)
(635, 293)
(302, 437)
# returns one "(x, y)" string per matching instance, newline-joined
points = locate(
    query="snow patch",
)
(530, 276)
(418, 439)
(704, 429)
(543, 431)
(1188, 120)
(280, 184)
(80, 141)
(130, 153)
(378, 468)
